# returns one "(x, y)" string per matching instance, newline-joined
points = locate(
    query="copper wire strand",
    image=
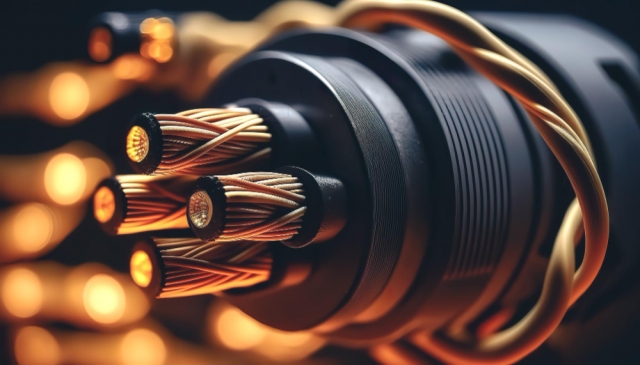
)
(564, 134)
(212, 141)
(229, 265)
(150, 206)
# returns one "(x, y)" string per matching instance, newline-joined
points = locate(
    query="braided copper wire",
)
(223, 266)
(260, 206)
(152, 204)
(212, 141)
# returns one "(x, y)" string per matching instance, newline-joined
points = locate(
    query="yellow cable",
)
(562, 131)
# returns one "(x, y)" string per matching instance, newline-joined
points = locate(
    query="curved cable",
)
(564, 134)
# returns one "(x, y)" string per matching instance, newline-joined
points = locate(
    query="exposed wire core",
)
(223, 266)
(209, 141)
(137, 144)
(152, 203)
(260, 206)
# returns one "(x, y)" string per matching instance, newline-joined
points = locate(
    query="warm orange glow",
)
(137, 144)
(32, 227)
(100, 44)
(22, 293)
(104, 299)
(288, 346)
(36, 346)
(160, 51)
(104, 204)
(219, 63)
(142, 347)
(157, 39)
(141, 268)
(69, 95)
(130, 67)
(238, 331)
(65, 178)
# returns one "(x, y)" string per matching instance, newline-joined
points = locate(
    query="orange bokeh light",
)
(142, 347)
(237, 330)
(36, 346)
(69, 95)
(32, 227)
(65, 178)
(104, 299)
(157, 39)
(100, 44)
(22, 293)
(131, 67)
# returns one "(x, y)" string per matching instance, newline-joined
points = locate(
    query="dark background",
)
(34, 33)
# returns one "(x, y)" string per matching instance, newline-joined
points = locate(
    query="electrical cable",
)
(198, 142)
(255, 206)
(171, 267)
(564, 134)
(127, 204)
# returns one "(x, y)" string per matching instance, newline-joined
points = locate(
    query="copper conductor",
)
(137, 144)
(150, 203)
(207, 141)
(141, 268)
(223, 266)
(260, 206)
(104, 204)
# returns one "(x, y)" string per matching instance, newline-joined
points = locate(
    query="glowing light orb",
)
(69, 95)
(65, 178)
(22, 293)
(104, 299)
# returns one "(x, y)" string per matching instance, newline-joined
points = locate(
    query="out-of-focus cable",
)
(237, 331)
(63, 176)
(173, 267)
(184, 47)
(62, 94)
(126, 204)
(31, 230)
(91, 295)
(145, 343)
(562, 131)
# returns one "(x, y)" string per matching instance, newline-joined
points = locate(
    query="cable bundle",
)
(198, 142)
(255, 206)
(186, 271)
(129, 204)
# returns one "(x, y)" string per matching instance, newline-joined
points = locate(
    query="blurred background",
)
(65, 292)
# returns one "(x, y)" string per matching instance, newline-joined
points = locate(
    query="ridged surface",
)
(478, 159)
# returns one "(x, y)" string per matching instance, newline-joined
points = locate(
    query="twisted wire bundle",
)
(260, 206)
(188, 271)
(150, 205)
(211, 141)
(564, 134)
